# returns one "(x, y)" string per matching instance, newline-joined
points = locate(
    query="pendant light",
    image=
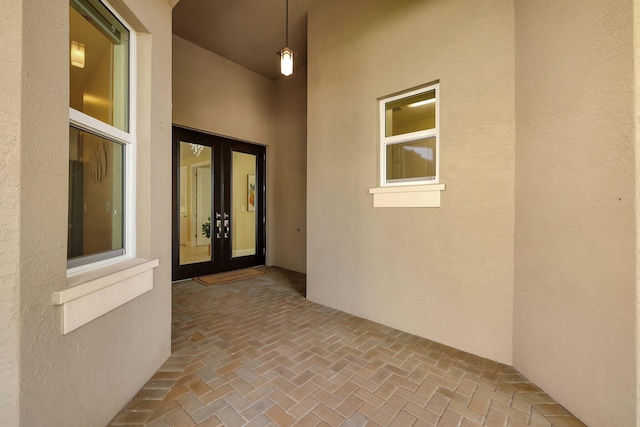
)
(286, 54)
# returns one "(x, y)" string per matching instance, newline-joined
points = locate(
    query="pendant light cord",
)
(287, 25)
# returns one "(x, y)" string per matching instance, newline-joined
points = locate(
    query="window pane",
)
(96, 196)
(243, 206)
(99, 54)
(196, 227)
(411, 161)
(411, 114)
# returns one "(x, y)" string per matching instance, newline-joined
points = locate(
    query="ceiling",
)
(247, 32)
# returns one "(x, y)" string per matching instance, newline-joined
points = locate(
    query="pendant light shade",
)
(286, 54)
(286, 61)
(77, 54)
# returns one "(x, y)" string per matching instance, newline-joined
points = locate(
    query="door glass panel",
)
(195, 203)
(243, 205)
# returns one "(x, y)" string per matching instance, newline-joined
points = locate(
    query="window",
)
(100, 135)
(409, 150)
(409, 138)
(102, 270)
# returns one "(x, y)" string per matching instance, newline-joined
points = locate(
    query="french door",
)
(218, 204)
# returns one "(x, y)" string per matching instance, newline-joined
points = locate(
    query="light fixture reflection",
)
(420, 103)
(196, 149)
(77, 54)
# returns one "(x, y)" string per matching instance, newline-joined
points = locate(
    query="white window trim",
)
(100, 128)
(408, 137)
(418, 193)
(95, 292)
(94, 289)
(408, 196)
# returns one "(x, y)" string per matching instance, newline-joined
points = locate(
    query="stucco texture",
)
(443, 273)
(10, 88)
(575, 290)
(83, 378)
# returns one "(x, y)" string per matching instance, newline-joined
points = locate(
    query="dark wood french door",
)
(218, 204)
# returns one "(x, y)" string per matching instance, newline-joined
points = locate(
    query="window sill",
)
(92, 293)
(415, 196)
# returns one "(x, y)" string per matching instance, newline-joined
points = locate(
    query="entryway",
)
(218, 204)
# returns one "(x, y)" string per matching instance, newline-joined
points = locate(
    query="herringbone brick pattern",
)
(257, 353)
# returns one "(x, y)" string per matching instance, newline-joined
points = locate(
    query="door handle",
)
(218, 225)
(227, 228)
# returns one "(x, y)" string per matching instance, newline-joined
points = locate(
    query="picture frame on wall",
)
(251, 193)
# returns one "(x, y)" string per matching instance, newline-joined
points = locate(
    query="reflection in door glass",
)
(195, 203)
(243, 212)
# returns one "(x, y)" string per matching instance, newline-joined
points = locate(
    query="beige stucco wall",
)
(636, 55)
(85, 377)
(575, 257)
(442, 273)
(10, 128)
(213, 94)
(289, 176)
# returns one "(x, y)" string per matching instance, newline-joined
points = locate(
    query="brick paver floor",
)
(257, 353)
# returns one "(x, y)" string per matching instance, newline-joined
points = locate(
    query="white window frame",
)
(409, 137)
(87, 123)
(414, 193)
(96, 288)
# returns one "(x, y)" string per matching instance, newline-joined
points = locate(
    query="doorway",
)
(218, 204)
